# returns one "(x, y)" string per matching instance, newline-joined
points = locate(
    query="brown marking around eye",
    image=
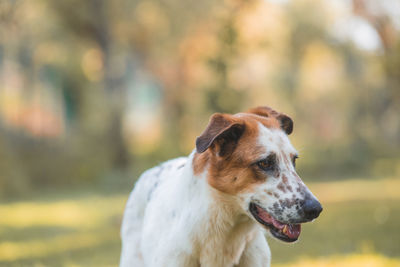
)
(239, 164)
(237, 172)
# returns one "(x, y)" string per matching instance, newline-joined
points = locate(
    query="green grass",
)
(82, 229)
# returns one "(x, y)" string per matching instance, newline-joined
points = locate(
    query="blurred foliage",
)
(91, 90)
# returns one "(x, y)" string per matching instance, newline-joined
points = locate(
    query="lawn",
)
(358, 227)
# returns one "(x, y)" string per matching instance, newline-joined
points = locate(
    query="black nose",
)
(312, 208)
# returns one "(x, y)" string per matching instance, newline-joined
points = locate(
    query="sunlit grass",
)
(85, 213)
(354, 260)
(57, 232)
(358, 227)
(39, 248)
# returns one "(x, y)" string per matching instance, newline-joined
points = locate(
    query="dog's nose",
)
(312, 208)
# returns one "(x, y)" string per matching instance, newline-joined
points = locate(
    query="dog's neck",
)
(220, 223)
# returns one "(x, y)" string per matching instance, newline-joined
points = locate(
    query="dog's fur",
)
(194, 211)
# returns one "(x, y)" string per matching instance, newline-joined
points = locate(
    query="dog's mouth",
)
(281, 231)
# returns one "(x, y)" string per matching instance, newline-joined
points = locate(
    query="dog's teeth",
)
(285, 229)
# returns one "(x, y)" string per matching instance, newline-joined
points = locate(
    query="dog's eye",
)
(267, 164)
(294, 160)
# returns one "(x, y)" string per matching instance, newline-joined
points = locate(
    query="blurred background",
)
(94, 92)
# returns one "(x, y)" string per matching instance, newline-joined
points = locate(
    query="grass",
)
(356, 260)
(358, 227)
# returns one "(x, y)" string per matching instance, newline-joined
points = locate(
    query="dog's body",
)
(213, 207)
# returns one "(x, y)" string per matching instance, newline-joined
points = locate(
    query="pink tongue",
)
(292, 231)
(264, 215)
(269, 219)
(278, 224)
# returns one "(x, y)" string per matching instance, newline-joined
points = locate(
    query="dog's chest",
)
(217, 254)
(225, 249)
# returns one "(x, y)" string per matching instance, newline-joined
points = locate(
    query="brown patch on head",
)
(200, 162)
(285, 121)
(228, 149)
(222, 134)
(235, 171)
(264, 111)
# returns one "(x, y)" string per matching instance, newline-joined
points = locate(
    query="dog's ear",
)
(223, 132)
(285, 121)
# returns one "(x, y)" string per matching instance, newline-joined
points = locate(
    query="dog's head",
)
(249, 156)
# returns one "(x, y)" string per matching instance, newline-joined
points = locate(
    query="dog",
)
(214, 207)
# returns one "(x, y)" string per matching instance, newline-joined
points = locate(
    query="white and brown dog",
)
(213, 207)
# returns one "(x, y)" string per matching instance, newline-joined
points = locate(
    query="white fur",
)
(181, 224)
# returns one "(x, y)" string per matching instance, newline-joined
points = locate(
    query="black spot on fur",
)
(277, 209)
(181, 166)
(159, 170)
(157, 174)
(287, 203)
(152, 190)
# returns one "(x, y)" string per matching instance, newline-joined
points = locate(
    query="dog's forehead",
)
(274, 140)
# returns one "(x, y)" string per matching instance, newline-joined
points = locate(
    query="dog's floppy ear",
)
(223, 131)
(285, 121)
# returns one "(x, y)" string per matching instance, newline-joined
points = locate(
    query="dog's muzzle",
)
(311, 208)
